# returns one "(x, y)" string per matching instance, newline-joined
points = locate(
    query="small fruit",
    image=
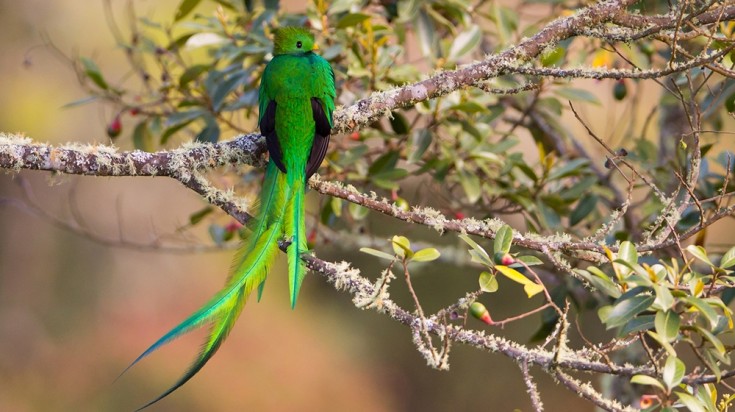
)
(620, 90)
(479, 311)
(114, 128)
(311, 238)
(648, 401)
(233, 226)
(402, 204)
(504, 259)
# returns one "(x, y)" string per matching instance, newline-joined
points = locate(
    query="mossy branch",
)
(187, 164)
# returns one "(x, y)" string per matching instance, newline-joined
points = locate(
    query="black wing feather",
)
(268, 128)
(323, 129)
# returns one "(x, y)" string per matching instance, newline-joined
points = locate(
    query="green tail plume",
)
(249, 271)
(295, 228)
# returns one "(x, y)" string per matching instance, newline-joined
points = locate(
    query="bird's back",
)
(291, 81)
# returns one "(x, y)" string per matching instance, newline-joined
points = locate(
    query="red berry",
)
(648, 400)
(233, 226)
(479, 311)
(504, 259)
(114, 128)
(507, 260)
(311, 238)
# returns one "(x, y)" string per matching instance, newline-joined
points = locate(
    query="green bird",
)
(296, 102)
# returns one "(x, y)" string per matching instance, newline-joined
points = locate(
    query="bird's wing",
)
(321, 137)
(268, 129)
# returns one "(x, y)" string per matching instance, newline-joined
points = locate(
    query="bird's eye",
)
(298, 44)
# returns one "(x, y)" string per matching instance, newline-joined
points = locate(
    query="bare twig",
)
(531, 388)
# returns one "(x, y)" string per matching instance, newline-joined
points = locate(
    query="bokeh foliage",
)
(506, 149)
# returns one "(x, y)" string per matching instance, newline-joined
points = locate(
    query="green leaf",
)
(469, 108)
(711, 359)
(714, 340)
(506, 20)
(210, 133)
(667, 325)
(93, 72)
(663, 296)
(728, 259)
(690, 402)
(529, 260)
(600, 281)
(666, 345)
(471, 184)
(426, 33)
(704, 308)
(717, 302)
(579, 189)
(398, 123)
(707, 394)
(628, 253)
(637, 324)
(581, 95)
(625, 310)
(224, 88)
(571, 168)
(142, 138)
(166, 135)
(197, 217)
(184, 118)
(357, 212)
(426, 255)
(352, 19)
(377, 253)
(553, 57)
(585, 206)
(699, 253)
(179, 42)
(673, 372)
(402, 246)
(465, 42)
(384, 163)
(420, 141)
(647, 380)
(191, 73)
(488, 282)
(185, 7)
(633, 273)
(503, 240)
(479, 255)
(604, 312)
(530, 287)
(336, 204)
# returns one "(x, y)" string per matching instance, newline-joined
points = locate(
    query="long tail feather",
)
(249, 271)
(219, 332)
(295, 228)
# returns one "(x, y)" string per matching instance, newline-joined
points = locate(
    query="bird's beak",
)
(315, 48)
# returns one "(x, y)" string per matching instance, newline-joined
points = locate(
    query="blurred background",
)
(74, 311)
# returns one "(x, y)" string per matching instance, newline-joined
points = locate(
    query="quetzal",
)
(296, 102)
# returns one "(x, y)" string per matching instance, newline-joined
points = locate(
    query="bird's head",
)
(293, 40)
